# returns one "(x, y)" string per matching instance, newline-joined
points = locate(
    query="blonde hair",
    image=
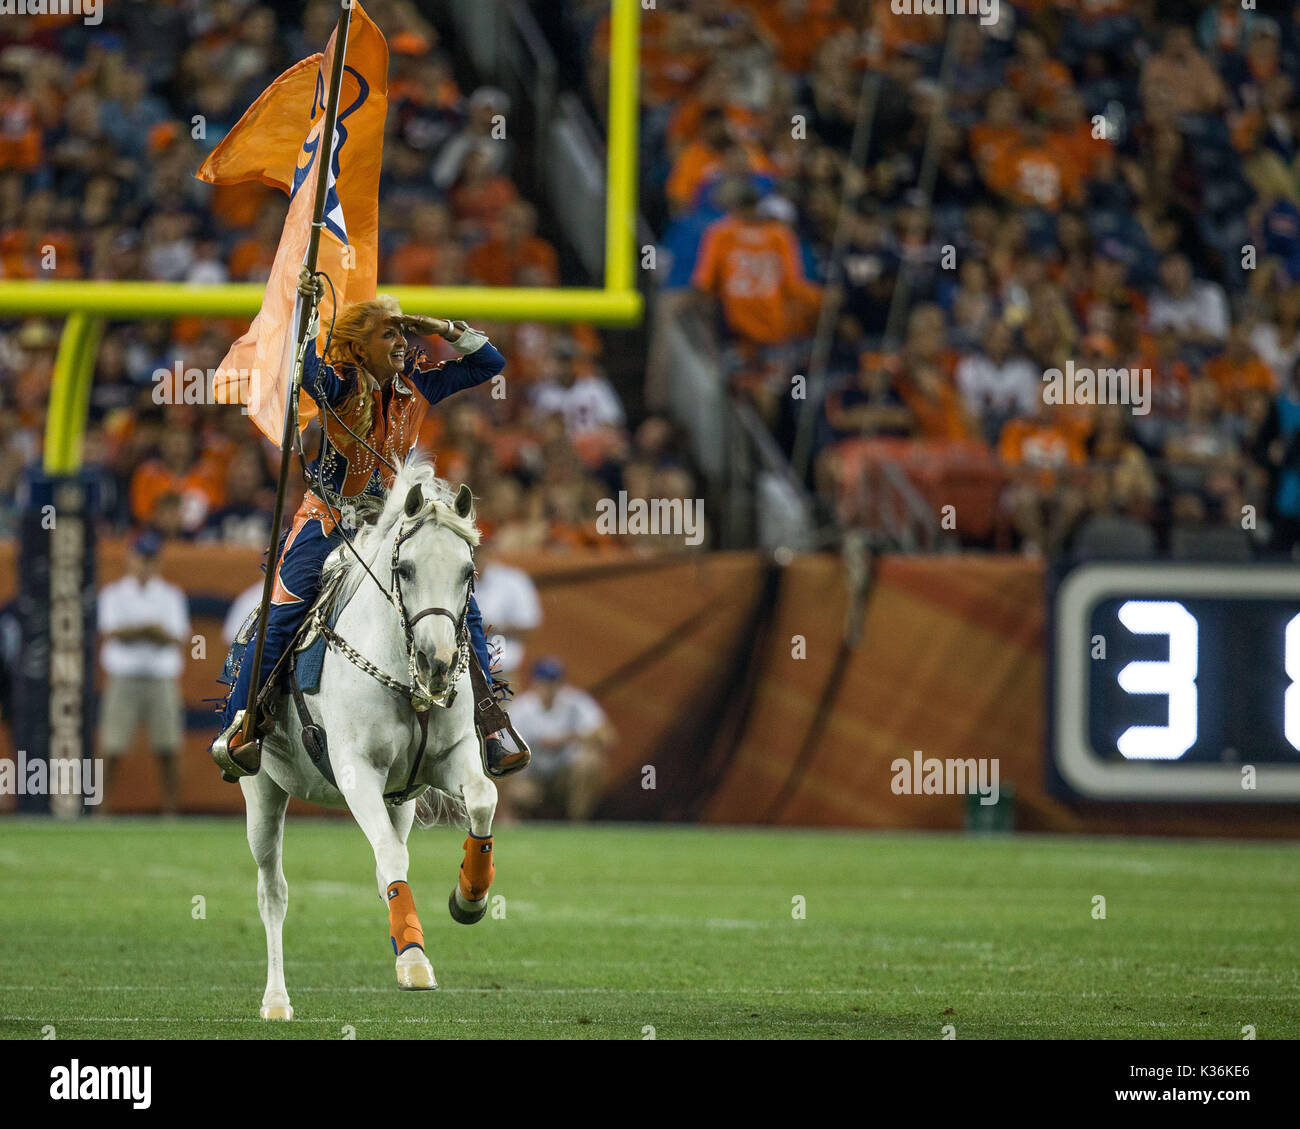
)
(352, 328)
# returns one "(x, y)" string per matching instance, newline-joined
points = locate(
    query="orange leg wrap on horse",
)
(477, 871)
(403, 922)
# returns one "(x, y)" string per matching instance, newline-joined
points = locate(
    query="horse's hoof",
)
(277, 1010)
(459, 911)
(414, 972)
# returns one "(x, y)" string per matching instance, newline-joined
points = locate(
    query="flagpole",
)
(325, 154)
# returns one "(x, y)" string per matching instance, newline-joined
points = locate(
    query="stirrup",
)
(241, 760)
(507, 763)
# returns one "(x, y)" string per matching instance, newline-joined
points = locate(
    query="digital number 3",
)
(1176, 679)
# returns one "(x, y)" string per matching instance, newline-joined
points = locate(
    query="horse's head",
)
(433, 572)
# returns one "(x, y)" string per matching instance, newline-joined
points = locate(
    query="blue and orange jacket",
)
(349, 469)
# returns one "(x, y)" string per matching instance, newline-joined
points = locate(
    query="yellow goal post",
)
(85, 305)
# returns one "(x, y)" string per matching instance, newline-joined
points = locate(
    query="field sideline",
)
(610, 929)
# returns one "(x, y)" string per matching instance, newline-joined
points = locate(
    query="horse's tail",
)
(434, 807)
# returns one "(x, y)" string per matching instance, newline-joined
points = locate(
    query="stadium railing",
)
(746, 472)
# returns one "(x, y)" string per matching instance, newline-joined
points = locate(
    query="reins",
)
(420, 696)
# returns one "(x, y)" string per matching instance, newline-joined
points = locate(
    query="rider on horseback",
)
(370, 387)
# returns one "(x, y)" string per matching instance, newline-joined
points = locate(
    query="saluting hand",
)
(421, 325)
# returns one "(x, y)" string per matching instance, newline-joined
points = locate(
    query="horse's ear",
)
(464, 501)
(414, 500)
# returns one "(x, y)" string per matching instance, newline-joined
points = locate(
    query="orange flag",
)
(278, 141)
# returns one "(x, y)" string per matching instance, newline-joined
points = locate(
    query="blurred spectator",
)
(178, 477)
(241, 607)
(507, 597)
(244, 517)
(1198, 310)
(1178, 79)
(1276, 447)
(1039, 448)
(479, 196)
(585, 400)
(484, 134)
(515, 255)
(569, 735)
(145, 628)
(995, 384)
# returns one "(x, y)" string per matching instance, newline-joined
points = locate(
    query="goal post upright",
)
(74, 368)
(621, 162)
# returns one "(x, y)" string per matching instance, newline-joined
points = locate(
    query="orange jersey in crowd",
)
(1236, 379)
(484, 201)
(1039, 84)
(21, 149)
(200, 490)
(496, 263)
(414, 264)
(989, 144)
(900, 30)
(23, 254)
(685, 121)
(940, 416)
(753, 268)
(796, 38)
(1036, 176)
(670, 63)
(1045, 445)
(697, 162)
(1078, 149)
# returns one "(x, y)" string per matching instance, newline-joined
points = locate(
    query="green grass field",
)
(608, 930)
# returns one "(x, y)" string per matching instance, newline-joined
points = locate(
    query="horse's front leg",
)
(265, 803)
(469, 899)
(387, 830)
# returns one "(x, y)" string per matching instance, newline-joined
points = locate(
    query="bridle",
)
(458, 623)
(416, 691)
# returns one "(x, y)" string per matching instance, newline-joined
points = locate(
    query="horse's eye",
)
(404, 571)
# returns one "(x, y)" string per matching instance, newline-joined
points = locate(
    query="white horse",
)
(411, 633)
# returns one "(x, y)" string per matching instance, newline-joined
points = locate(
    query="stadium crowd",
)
(98, 147)
(1110, 183)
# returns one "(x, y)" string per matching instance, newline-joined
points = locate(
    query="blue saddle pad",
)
(310, 660)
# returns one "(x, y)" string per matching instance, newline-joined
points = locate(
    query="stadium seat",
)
(1215, 543)
(1110, 537)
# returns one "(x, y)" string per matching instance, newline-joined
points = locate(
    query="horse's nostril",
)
(434, 670)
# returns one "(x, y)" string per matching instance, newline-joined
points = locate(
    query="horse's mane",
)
(373, 540)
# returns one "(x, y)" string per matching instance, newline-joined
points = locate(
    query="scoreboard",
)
(1176, 681)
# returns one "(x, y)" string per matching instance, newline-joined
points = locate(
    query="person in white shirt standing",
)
(569, 734)
(144, 623)
(507, 599)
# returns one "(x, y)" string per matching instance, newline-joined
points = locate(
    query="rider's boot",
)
(242, 758)
(493, 725)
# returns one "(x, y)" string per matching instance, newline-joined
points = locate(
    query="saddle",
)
(307, 642)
